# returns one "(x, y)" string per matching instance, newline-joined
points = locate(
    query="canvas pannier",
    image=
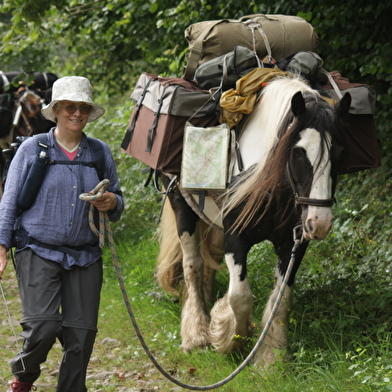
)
(284, 34)
(360, 132)
(225, 70)
(163, 106)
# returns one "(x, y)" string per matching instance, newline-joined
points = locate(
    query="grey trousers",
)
(57, 303)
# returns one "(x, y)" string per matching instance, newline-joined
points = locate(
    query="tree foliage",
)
(113, 41)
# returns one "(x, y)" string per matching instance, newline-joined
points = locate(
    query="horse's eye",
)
(298, 152)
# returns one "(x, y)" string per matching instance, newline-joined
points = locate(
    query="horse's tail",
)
(169, 267)
(169, 263)
(212, 252)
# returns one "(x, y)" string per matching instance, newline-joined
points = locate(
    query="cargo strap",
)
(253, 26)
(153, 175)
(138, 105)
(333, 83)
(153, 129)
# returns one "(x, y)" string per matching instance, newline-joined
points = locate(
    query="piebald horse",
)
(290, 147)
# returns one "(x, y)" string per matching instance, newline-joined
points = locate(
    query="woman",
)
(58, 261)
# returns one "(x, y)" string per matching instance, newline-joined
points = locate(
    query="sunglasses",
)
(71, 109)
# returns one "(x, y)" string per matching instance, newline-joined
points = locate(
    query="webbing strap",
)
(152, 131)
(253, 26)
(333, 83)
(138, 105)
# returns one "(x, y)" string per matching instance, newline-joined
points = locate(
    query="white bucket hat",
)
(75, 89)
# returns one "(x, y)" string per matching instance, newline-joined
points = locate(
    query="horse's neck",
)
(252, 137)
(260, 131)
(259, 134)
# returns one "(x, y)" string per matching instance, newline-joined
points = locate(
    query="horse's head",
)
(294, 140)
(313, 159)
(31, 103)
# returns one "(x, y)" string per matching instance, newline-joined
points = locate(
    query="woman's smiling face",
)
(72, 116)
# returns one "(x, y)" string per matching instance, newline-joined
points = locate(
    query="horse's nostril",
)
(310, 225)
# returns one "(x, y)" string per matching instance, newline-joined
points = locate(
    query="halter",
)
(314, 202)
(307, 200)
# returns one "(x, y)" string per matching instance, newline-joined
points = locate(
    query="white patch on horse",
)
(195, 318)
(265, 120)
(231, 315)
(319, 219)
(257, 135)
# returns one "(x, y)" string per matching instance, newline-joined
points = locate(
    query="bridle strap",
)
(307, 200)
(314, 202)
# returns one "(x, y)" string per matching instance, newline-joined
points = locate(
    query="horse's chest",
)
(211, 211)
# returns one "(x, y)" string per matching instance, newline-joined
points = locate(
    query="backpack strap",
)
(37, 172)
(98, 156)
(42, 143)
(98, 161)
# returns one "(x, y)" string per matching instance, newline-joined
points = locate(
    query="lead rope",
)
(13, 331)
(98, 191)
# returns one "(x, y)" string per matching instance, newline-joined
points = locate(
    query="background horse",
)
(28, 106)
(21, 116)
(290, 147)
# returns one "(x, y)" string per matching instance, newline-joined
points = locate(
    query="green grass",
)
(340, 326)
(119, 362)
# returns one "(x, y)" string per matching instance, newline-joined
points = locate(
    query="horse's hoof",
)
(267, 357)
(189, 346)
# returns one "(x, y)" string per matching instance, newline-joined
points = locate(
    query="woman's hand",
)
(3, 259)
(107, 202)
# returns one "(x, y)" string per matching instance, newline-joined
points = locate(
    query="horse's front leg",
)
(231, 315)
(195, 317)
(275, 342)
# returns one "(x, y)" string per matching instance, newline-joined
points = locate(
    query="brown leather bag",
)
(360, 132)
(156, 128)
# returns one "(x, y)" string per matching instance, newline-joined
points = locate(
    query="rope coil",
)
(97, 192)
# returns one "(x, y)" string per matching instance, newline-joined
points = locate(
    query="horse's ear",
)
(298, 104)
(343, 106)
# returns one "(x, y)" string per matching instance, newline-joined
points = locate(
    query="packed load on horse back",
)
(248, 144)
(228, 64)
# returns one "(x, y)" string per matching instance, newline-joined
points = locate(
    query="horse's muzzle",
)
(317, 223)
